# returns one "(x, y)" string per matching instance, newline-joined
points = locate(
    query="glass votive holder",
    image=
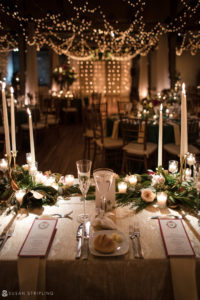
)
(33, 169)
(188, 173)
(28, 158)
(3, 165)
(122, 187)
(162, 199)
(49, 181)
(39, 177)
(191, 159)
(19, 195)
(132, 179)
(173, 166)
(69, 180)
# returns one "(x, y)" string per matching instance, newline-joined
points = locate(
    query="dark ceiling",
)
(114, 10)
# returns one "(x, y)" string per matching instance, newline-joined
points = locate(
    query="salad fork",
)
(137, 236)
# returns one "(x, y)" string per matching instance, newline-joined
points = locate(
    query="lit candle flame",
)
(11, 90)
(161, 107)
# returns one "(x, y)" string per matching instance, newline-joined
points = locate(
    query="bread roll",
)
(104, 244)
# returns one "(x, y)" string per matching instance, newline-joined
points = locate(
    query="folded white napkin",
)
(103, 221)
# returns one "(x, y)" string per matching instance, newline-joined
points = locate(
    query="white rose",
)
(25, 167)
(158, 179)
(147, 195)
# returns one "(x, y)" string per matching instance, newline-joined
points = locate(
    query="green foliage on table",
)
(22, 180)
(179, 193)
(74, 190)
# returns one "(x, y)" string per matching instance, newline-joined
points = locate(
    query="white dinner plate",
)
(121, 248)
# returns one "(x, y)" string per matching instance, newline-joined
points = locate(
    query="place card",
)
(39, 238)
(175, 238)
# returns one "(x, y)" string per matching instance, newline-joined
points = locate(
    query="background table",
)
(152, 131)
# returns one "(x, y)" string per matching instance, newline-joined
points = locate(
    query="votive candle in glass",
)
(173, 166)
(132, 179)
(3, 165)
(28, 158)
(69, 180)
(33, 169)
(122, 187)
(188, 173)
(19, 195)
(162, 199)
(191, 159)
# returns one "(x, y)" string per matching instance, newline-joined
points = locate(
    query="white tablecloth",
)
(98, 278)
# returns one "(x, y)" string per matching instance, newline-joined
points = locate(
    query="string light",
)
(79, 38)
(190, 42)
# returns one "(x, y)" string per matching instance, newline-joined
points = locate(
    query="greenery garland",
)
(179, 193)
(46, 195)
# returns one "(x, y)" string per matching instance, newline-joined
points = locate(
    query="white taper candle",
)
(32, 147)
(160, 137)
(12, 113)
(5, 119)
(184, 133)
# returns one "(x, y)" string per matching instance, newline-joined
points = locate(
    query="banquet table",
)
(152, 131)
(122, 277)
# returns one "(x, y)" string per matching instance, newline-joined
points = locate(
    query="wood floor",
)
(57, 149)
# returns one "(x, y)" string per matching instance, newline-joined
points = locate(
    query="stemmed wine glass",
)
(103, 178)
(84, 168)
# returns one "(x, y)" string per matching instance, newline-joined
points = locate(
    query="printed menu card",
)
(175, 238)
(39, 238)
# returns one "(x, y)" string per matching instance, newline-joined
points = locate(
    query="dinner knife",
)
(86, 239)
(8, 234)
(79, 235)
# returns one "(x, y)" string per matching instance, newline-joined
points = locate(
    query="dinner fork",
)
(132, 237)
(137, 236)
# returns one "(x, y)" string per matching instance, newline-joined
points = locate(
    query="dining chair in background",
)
(39, 125)
(105, 146)
(135, 145)
(172, 150)
(70, 109)
(88, 134)
(124, 108)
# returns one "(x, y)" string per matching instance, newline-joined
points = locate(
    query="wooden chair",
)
(70, 109)
(39, 125)
(135, 145)
(173, 149)
(96, 98)
(124, 107)
(88, 134)
(102, 108)
(103, 145)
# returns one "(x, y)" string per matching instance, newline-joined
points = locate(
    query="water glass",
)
(103, 178)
